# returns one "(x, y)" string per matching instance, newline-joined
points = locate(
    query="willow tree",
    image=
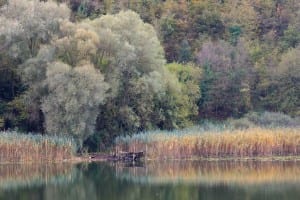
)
(67, 85)
(132, 59)
(31, 23)
(124, 83)
(25, 25)
(122, 48)
(70, 107)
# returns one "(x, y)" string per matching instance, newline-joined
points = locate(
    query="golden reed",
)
(253, 142)
(15, 148)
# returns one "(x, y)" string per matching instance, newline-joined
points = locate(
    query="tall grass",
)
(214, 142)
(16, 147)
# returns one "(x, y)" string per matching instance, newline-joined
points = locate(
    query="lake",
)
(167, 180)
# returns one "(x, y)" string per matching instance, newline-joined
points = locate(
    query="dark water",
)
(152, 181)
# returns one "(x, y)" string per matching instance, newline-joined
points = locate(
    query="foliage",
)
(291, 37)
(133, 66)
(15, 114)
(287, 83)
(185, 54)
(24, 27)
(131, 61)
(72, 91)
(30, 24)
(226, 82)
(65, 91)
(282, 86)
(207, 21)
(186, 93)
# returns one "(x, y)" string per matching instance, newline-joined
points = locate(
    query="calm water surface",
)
(153, 181)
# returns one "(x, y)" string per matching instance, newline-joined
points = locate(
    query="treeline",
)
(99, 69)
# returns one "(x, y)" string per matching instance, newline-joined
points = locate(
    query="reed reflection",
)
(13, 176)
(212, 172)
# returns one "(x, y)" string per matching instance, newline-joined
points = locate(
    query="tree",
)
(205, 18)
(291, 37)
(284, 92)
(240, 18)
(31, 23)
(65, 84)
(121, 47)
(73, 97)
(24, 27)
(225, 87)
(182, 95)
(173, 27)
(185, 53)
(132, 60)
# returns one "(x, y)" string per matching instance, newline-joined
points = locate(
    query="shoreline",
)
(107, 158)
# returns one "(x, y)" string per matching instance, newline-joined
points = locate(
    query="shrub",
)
(243, 123)
(272, 119)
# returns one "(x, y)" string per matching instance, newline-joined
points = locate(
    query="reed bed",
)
(16, 147)
(217, 143)
(213, 172)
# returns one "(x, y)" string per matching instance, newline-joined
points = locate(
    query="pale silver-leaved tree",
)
(74, 95)
(25, 24)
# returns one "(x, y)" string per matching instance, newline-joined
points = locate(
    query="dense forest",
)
(98, 69)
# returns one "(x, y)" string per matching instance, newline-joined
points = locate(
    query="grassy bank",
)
(16, 147)
(218, 142)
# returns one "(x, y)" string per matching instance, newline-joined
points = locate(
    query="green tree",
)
(284, 88)
(132, 60)
(182, 95)
(205, 19)
(291, 37)
(185, 52)
(173, 27)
